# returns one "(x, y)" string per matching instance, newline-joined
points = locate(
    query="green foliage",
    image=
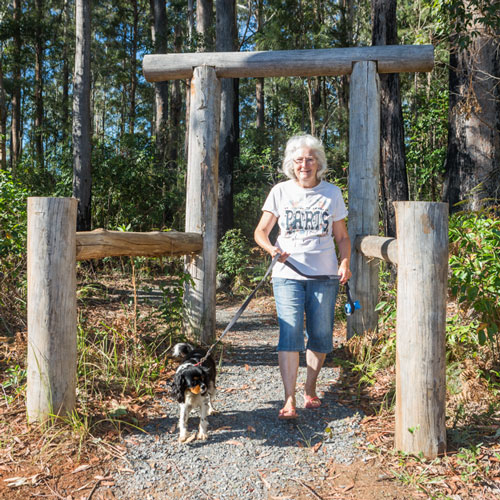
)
(475, 273)
(14, 384)
(130, 188)
(172, 303)
(232, 255)
(426, 130)
(12, 218)
(465, 20)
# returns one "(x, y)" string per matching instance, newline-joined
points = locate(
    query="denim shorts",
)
(314, 298)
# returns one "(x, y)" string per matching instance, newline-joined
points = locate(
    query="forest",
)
(78, 118)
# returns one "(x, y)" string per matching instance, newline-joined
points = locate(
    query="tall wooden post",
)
(422, 233)
(51, 307)
(364, 160)
(201, 202)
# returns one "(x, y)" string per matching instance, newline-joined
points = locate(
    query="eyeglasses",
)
(307, 159)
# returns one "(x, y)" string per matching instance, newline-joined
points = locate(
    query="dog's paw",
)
(202, 436)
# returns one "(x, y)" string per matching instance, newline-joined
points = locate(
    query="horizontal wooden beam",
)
(378, 247)
(315, 62)
(101, 243)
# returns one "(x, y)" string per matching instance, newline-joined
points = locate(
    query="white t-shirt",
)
(305, 218)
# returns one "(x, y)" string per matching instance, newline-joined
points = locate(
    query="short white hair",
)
(304, 141)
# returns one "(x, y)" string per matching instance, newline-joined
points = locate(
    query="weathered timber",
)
(101, 243)
(201, 203)
(314, 62)
(51, 374)
(378, 247)
(422, 230)
(364, 157)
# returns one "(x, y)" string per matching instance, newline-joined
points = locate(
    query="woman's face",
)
(305, 167)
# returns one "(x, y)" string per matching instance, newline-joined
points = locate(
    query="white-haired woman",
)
(311, 214)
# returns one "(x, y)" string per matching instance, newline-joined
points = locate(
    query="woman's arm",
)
(341, 236)
(261, 235)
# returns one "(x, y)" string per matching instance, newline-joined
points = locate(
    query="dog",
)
(194, 387)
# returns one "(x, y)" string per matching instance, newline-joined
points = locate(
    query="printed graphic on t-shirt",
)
(312, 221)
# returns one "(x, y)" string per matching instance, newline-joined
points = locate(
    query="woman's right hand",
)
(276, 251)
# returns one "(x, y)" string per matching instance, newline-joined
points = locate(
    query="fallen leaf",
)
(251, 429)
(191, 438)
(316, 447)
(247, 368)
(80, 468)
(233, 441)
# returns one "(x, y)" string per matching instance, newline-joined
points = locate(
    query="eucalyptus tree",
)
(82, 179)
(15, 134)
(159, 35)
(472, 174)
(227, 41)
(394, 183)
(3, 116)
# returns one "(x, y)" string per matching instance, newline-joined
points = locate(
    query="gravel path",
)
(249, 454)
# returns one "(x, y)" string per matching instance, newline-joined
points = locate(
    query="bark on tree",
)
(472, 170)
(39, 50)
(82, 177)
(394, 181)
(259, 83)
(204, 20)
(175, 105)
(65, 76)
(133, 67)
(3, 117)
(226, 41)
(15, 138)
(159, 34)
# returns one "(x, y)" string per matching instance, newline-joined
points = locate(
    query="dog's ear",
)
(179, 387)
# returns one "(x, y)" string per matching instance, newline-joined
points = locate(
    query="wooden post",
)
(422, 233)
(364, 159)
(201, 202)
(52, 358)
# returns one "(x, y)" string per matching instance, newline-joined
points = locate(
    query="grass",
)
(122, 364)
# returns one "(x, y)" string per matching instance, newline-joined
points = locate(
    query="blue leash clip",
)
(351, 305)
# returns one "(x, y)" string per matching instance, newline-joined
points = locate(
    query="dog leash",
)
(350, 307)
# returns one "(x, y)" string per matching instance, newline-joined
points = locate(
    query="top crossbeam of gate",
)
(282, 63)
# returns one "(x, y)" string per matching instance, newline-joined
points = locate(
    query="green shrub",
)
(232, 258)
(475, 273)
(12, 217)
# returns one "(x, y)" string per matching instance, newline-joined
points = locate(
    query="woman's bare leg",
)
(289, 366)
(314, 362)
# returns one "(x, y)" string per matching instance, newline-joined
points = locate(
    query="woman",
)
(308, 211)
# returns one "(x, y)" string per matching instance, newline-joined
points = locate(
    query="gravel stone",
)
(250, 454)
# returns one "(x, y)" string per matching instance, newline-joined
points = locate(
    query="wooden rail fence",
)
(420, 250)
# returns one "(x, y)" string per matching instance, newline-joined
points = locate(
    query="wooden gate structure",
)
(421, 247)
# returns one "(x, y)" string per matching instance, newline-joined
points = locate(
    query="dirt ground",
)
(55, 463)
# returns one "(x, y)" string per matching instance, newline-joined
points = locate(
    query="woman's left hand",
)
(344, 272)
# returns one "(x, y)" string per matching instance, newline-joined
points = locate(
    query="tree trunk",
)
(228, 141)
(65, 77)
(3, 117)
(472, 172)
(259, 83)
(204, 20)
(15, 141)
(159, 35)
(82, 177)
(133, 67)
(39, 49)
(175, 105)
(394, 182)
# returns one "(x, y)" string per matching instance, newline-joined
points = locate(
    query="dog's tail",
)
(182, 349)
